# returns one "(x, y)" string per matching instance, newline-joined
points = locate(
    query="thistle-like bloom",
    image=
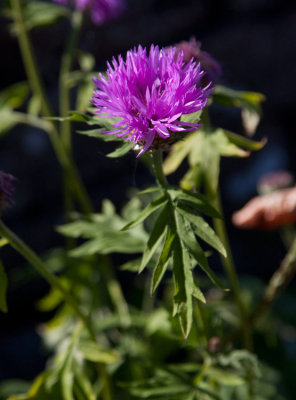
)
(100, 10)
(211, 67)
(149, 93)
(6, 190)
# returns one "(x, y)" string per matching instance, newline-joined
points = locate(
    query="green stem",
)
(34, 77)
(33, 259)
(157, 168)
(66, 65)
(115, 291)
(37, 263)
(229, 267)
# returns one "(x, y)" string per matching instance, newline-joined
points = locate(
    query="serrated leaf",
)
(122, 150)
(151, 208)
(93, 352)
(183, 278)
(194, 200)
(163, 260)
(155, 238)
(202, 229)
(198, 254)
(3, 288)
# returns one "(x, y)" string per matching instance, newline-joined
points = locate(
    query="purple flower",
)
(211, 67)
(100, 10)
(6, 190)
(149, 93)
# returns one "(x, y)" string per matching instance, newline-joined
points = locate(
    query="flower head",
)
(100, 10)
(6, 190)
(211, 67)
(149, 93)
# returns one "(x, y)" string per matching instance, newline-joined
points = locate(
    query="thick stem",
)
(37, 263)
(157, 168)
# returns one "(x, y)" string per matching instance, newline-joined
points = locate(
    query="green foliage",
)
(38, 14)
(103, 234)
(172, 243)
(204, 150)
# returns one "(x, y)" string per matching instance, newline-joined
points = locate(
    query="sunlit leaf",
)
(203, 229)
(93, 352)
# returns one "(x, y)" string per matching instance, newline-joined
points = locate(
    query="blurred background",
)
(255, 42)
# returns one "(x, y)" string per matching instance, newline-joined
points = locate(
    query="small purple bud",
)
(211, 67)
(100, 11)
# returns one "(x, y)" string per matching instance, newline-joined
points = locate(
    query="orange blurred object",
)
(268, 212)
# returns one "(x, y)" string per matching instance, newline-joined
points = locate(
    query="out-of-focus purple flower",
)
(100, 10)
(211, 67)
(149, 93)
(6, 190)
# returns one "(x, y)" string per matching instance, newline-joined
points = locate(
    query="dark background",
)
(255, 42)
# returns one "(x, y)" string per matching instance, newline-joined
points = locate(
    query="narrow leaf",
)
(245, 142)
(195, 200)
(202, 229)
(93, 352)
(122, 150)
(151, 208)
(162, 263)
(155, 238)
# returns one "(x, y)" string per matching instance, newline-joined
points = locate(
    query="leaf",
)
(38, 14)
(162, 263)
(122, 150)
(178, 153)
(93, 352)
(14, 96)
(236, 98)
(96, 133)
(183, 278)
(155, 238)
(223, 377)
(194, 200)
(198, 254)
(194, 117)
(151, 208)
(202, 229)
(7, 120)
(116, 242)
(3, 288)
(244, 142)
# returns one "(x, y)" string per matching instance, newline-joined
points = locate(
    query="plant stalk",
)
(19, 245)
(157, 168)
(34, 78)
